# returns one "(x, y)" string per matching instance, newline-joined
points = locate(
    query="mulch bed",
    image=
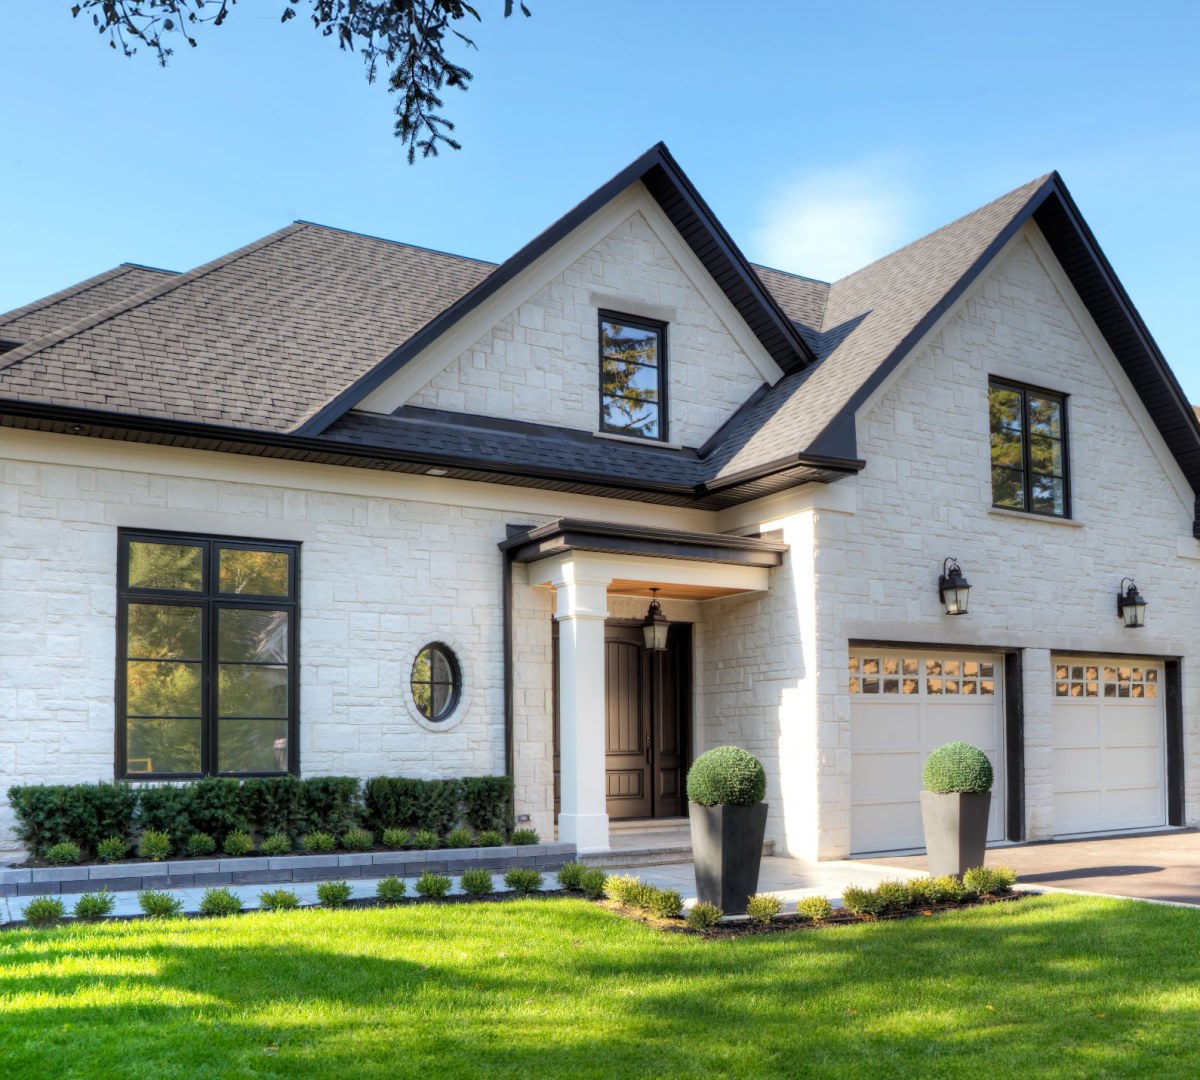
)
(785, 924)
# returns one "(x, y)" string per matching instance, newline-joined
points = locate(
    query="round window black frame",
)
(455, 683)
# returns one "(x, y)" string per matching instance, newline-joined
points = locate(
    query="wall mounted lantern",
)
(655, 626)
(953, 588)
(1131, 605)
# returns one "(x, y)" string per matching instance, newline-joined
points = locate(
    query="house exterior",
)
(336, 505)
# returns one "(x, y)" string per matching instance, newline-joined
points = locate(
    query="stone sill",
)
(282, 869)
(1070, 523)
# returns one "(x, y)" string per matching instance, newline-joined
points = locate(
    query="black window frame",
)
(210, 600)
(1025, 389)
(455, 684)
(660, 328)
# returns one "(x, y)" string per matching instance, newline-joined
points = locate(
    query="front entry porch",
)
(624, 747)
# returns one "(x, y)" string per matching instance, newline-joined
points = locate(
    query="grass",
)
(1051, 986)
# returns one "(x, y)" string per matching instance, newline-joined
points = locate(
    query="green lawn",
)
(1052, 986)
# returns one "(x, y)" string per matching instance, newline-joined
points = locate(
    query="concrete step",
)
(650, 855)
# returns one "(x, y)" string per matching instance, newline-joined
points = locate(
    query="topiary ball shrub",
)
(277, 844)
(701, 916)
(571, 875)
(763, 907)
(155, 845)
(390, 889)
(957, 767)
(217, 902)
(477, 882)
(592, 882)
(524, 837)
(200, 844)
(94, 905)
(726, 776)
(523, 880)
(238, 843)
(334, 894)
(112, 849)
(357, 840)
(814, 908)
(44, 911)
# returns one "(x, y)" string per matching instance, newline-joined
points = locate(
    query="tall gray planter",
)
(955, 830)
(727, 843)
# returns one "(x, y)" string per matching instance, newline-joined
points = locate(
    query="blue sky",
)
(822, 135)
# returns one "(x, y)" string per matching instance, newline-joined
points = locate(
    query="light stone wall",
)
(541, 363)
(379, 578)
(1038, 585)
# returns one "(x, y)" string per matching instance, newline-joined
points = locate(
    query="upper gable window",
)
(1029, 449)
(632, 388)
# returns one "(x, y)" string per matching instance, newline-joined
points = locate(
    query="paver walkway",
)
(1159, 866)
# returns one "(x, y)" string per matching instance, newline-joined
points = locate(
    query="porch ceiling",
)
(627, 587)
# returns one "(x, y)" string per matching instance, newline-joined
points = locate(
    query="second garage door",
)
(1109, 752)
(903, 704)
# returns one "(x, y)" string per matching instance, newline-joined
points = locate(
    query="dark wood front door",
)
(647, 715)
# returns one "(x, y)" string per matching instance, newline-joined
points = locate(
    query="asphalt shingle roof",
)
(44, 316)
(264, 337)
(258, 339)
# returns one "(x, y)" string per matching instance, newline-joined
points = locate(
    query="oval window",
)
(435, 682)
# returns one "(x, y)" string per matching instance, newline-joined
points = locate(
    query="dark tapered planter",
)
(955, 830)
(727, 843)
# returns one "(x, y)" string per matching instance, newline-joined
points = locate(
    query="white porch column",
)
(582, 597)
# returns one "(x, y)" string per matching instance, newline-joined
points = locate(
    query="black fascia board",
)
(573, 534)
(757, 306)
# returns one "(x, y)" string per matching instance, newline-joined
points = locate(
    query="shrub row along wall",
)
(88, 813)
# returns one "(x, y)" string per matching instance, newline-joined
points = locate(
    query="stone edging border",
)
(265, 870)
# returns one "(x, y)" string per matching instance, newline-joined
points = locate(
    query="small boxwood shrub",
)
(523, 880)
(666, 904)
(319, 843)
(460, 838)
(763, 907)
(957, 767)
(923, 892)
(726, 776)
(357, 840)
(816, 908)
(159, 905)
(220, 902)
(571, 875)
(44, 911)
(64, 853)
(896, 895)
(619, 887)
(112, 849)
(238, 843)
(948, 889)
(426, 840)
(277, 844)
(592, 883)
(859, 901)
(390, 889)
(701, 916)
(395, 839)
(490, 838)
(278, 900)
(477, 882)
(94, 905)
(200, 843)
(988, 880)
(524, 837)
(333, 894)
(155, 845)
(432, 886)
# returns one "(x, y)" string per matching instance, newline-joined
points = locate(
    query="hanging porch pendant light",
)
(655, 626)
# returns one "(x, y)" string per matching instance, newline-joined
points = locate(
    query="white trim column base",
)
(588, 832)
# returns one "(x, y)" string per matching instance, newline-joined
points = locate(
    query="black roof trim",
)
(674, 192)
(574, 534)
(192, 435)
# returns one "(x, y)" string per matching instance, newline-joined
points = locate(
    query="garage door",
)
(1109, 756)
(903, 704)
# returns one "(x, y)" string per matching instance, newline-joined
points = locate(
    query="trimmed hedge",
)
(86, 814)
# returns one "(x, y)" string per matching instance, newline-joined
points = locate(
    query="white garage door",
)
(1109, 757)
(903, 704)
